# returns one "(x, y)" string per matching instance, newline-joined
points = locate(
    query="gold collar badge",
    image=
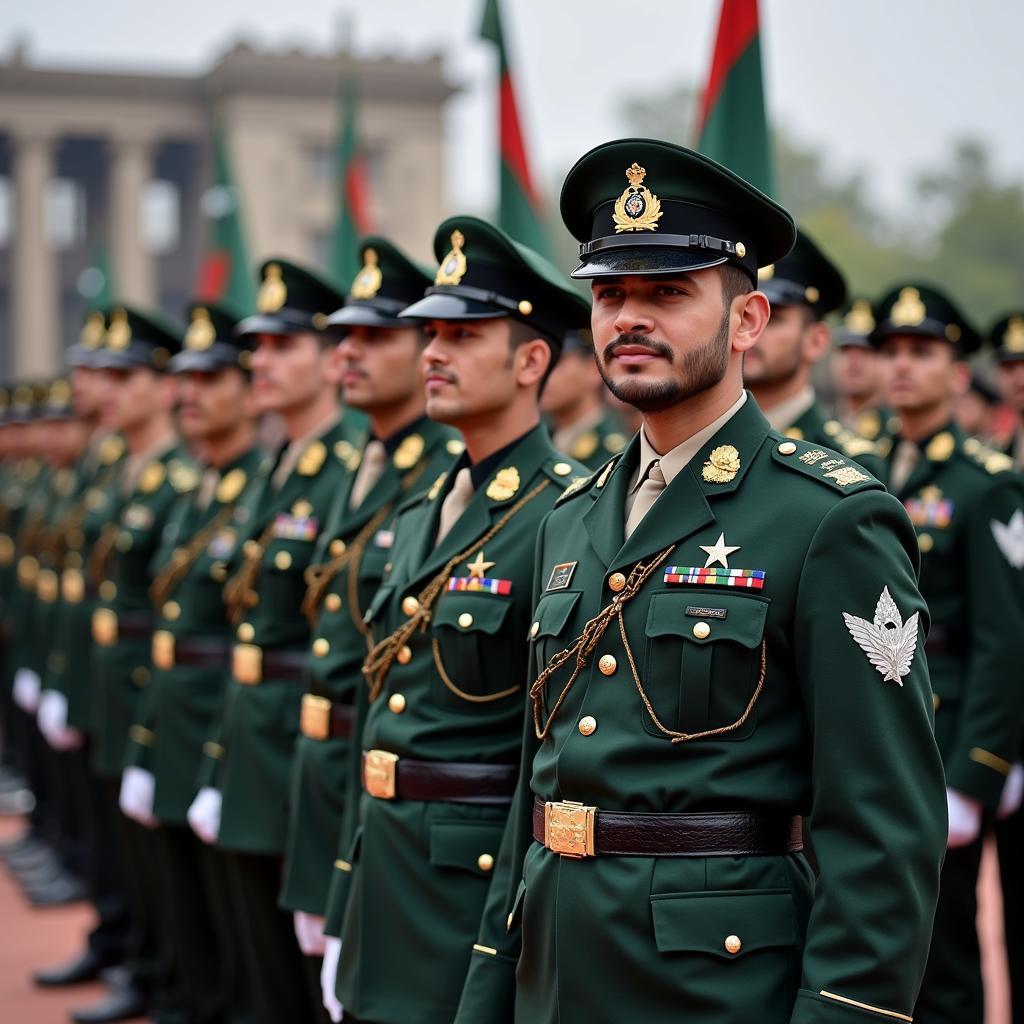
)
(722, 466)
(638, 208)
(504, 485)
(453, 266)
(369, 279)
(273, 291)
(119, 335)
(908, 310)
(409, 451)
(201, 333)
(1013, 339)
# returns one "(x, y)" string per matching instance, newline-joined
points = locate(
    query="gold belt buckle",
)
(104, 627)
(315, 720)
(47, 586)
(379, 774)
(28, 571)
(247, 664)
(163, 649)
(72, 586)
(569, 828)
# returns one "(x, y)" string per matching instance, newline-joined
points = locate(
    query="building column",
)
(132, 266)
(35, 318)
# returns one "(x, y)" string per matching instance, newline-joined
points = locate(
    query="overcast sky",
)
(880, 84)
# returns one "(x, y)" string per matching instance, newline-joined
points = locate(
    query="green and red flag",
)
(519, 207)
(225, 275)
(353, 191)
(732, 126)
(95, 282)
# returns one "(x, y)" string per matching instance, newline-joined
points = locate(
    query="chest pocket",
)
(474, 655)
(550, 629)
(703, 664)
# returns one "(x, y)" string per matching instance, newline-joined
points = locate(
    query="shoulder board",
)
(584, 483)
(821, 464)
(563, 471)
(989, 459)
(855, 446)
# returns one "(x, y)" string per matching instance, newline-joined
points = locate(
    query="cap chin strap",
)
(702, 243)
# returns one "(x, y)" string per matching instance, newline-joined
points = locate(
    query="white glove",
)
(52, 718)
(328, 977)
(136, 799)
(309, 930)
(204, 814)
(26, 690)
(1013, 790)
(964, 819)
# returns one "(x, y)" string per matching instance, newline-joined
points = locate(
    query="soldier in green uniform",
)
(1007, 339)
(441, 737)
(380, 355)
(139, 404)
(243, 804)
(857, 376)
(190, 648)
(967, 506)
(726, 638)
(582, 424)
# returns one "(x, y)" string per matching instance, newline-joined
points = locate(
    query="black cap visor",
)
(210, 360)
(284, 322)
(449, 304)
(625, 259)
(369, 313)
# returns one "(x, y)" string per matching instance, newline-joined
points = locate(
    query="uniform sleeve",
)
(991, 719)
(878, 819)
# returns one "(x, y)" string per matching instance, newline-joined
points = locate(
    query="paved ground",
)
(34, 938)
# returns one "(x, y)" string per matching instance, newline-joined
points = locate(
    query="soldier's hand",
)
(26, 690)
(204, 814)
(1013, 790)
(138, 788)
(309, 930)
(964, 819)
(53, 722)
(328, 976)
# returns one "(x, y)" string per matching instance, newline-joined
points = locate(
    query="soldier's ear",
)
(532, 359)
(816, 341)
(961, 378)
(748, 317)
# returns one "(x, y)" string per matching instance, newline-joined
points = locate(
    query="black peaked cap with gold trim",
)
(805, 276)
(210, 342)
(486, 274)
(1007, 337)
(136, 338)
(925, 311)
(56, 405)
(642, 206)
(85, 353)
(388, 282)
(291, 300)
(857, 324)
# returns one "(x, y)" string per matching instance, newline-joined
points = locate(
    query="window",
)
(64, 213)
(161, 216)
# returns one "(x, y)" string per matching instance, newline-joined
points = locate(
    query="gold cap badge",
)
(369, 279)
(453, 266)
(201, 333)
(766, 273)
(93, 330)
(273, 291)
(1013, 339)
(637, 209)
(908, 310)
(859, 320)
(119, 334)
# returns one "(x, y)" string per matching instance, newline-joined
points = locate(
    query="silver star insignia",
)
(718, 552)
(889, 644)
(1010, 538)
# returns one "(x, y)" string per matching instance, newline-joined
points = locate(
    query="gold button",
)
(219, 572)
(283, 560)
(936, 701)
(321, 646)
(337, 547)
(465, 620)
(396, 703)
(616, 581)
(404, 655)
(926, 542)
(172, 610)
(140, 676)
(562, 468)
(588, 725)
(525, 307)
(733, 944)
(251, 549)
(108, 590)
(485, 862)
(787, 448)
(410, 606)
(124, 541)
(701, 630)
(246, 633)
(534, 630)
(607, 664)
(332, 602)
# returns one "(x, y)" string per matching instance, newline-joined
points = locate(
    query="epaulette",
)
(821, 464)
(561, 472)
(581, 484)
(856, 446)
(989, 459)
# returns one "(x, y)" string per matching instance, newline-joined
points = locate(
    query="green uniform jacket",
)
(260, 722)
(121, 666)
(421, 873)
(182, 702)
(34, 480)
(593, 446)
(967, 506)
(361, 541)
(726, 939)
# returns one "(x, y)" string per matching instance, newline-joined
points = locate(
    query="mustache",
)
(633, 340)
(433, 370)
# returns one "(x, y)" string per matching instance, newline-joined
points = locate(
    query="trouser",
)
(952, 991)
(1010, 842)
(285, 984)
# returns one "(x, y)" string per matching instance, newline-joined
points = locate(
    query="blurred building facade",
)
(111, 170)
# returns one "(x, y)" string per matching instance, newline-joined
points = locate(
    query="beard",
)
(699, 369)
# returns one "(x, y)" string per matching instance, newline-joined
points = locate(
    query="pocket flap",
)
(465, 611)
(727, 617)
(725, 924)
(553, 611)
(468, 845)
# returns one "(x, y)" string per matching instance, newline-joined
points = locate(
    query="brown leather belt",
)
(575, 830)
(170, 650)
(387, 776)
(324, 719)
(108, 627)
(251, 664)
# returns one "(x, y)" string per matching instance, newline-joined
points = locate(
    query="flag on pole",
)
(95, 282)
(732, 126)
(225, 275)
(352, 191)
(519, 208)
